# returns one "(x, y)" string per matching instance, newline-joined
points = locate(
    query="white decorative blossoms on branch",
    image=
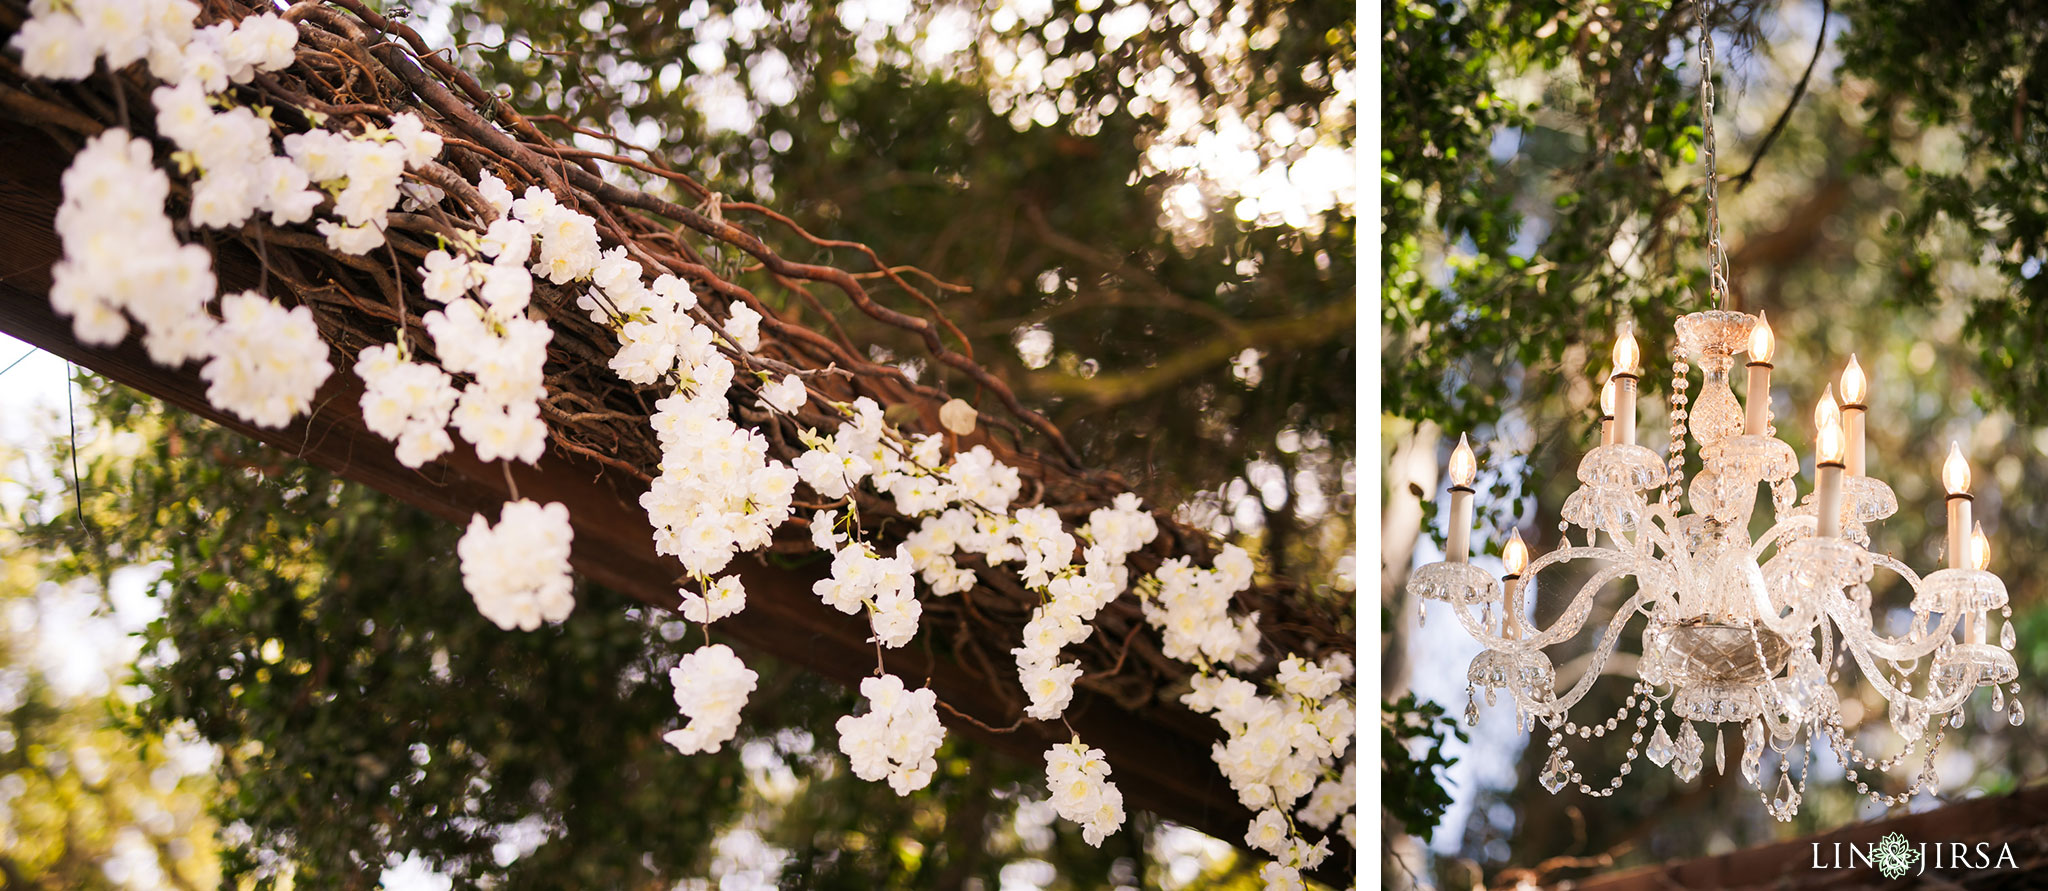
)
(267, 360)
(406, 402)
(1081, 791)
(884, 585)
(711, 687)
(725, 597)
(121, 258)
(718, 493)
(898, 737)
(518, 571)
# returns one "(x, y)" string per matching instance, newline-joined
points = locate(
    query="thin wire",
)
(24, 358)
(77, 482)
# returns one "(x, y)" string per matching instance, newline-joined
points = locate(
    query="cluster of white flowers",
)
(885, 586)
(64, 41)
(121, 255)
(365, 174)
(1078, 777)
(931, 547)
(1282, 747)
(1191, 609)
(1335, 799)
(1074, 594)
(406, 402)
(718, 493)
(897, 739)
(230, 149)
(569, 248)
(712, 685)
(518, 571)
(724, 597)
(267, 362)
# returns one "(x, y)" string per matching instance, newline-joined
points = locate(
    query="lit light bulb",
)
(1515, 554)
(1854, 385)
(1464, 467)
(1955, 472)
(1980, 548)
(1827, 413)
(1831, 444)
(1607, 398)
(1626, 353)
(1762, 345)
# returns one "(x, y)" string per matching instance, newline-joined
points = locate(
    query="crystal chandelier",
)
(1750, 631)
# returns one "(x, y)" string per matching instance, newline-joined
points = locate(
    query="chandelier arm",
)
(1602, 651)
(1649, 578)
(1860, 634)
(1898, 566)
(1484, 636)
(1931, 706)
(1798, 622)
(1778, 530)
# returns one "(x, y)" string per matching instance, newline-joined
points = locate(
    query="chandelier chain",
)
(1717, 255)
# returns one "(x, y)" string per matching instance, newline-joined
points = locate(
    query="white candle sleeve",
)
(1757, 411)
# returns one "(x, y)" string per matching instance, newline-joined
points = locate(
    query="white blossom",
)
(518, 570)
(711, 686)
(406, 402)
(898, 737)
(1078, 777)
(724, 597)
(267, 360)
(786, 395)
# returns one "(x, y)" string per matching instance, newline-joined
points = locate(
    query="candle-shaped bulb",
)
(1464, 467)
(1831, 444)
(1626, 353)
(1955, 472)
(1515, 554)
(1980, 548)
(1607, 398)
(1854, 385)
(1827, 414)
(1762, 345)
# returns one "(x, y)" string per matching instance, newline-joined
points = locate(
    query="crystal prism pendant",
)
(1753, 751)
(1997, 699)
(1471, 711)
(2005, 636)
(1721, 751)
(1787, 801)
(1659, 749)
(1687, 764)
(1555, 774)
(2016, 714)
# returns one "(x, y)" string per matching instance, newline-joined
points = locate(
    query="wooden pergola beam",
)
(1160, 753)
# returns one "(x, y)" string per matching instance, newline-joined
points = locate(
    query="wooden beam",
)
(2019, 820)
(1160, 753)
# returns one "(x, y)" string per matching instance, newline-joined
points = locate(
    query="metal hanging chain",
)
(1717, 254)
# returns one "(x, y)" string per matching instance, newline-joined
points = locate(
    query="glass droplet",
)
(1471, 711)
(1721, 751)
(1997, 699)
(2005, 637)
(2017, 714)
(1555, 774)
(1787, 802)
(1660, 750)
(1753, 751)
